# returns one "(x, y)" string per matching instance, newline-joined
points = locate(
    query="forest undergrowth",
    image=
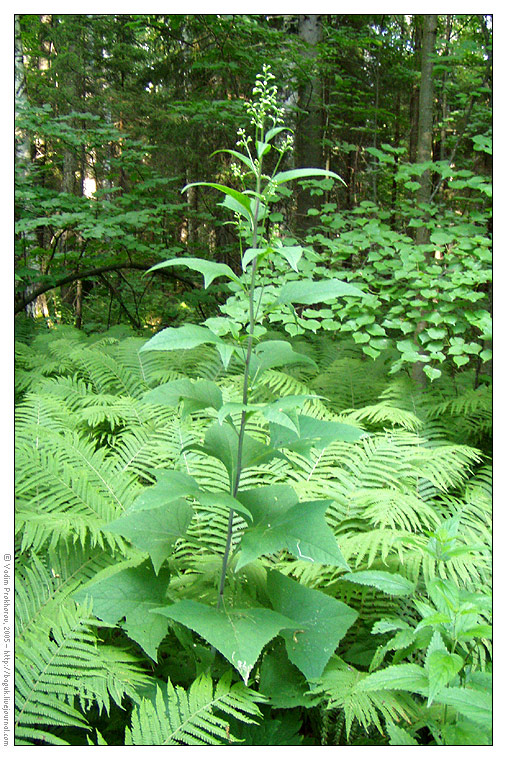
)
(408, 503)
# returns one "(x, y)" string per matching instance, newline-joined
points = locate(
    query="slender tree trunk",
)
(414, 95)
(20, 98)
(309, 130)
(425, 131)
(444, 104)
(424, 151)
(38, 306)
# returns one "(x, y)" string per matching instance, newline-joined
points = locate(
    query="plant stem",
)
(241, 434)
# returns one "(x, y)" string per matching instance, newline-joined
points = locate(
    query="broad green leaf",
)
(474, 705)
(154, 530)
(239, 634)
(281, 411)
(221, 442)
(432, 372)
(225, 350)
(170, 485)
(437, 332)
(389, 583)
(240, 198)
(316, 291)
(291, 253)
(322, 622)
(233, 407)
(276, 353)
(313, 433)
(210, 269)
(275, 131)
(262, 148)
(198, 394)
(441, 666)
(281, 522)
(175, 338)
(132, 593)
(220, 498)
(405, 677)
(291, 174)
(237, 208)
(245, 159)
(282, 682)
(277, 416)
(251, 253)
(441, 237)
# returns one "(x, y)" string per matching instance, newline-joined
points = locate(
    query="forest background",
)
(115, 114)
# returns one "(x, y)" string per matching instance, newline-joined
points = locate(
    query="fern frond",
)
(349, 384)
(43, 583)
(49, 669)
(382, 413)
(60, 666)
(38, 411)
(179, 717)
(67, 489)
(106, 374)
(338, 686)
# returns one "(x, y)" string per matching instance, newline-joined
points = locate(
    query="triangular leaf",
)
(221, 442)
(155, 530)
(282, 682)
(291, 253)
(322, 622)
(281, 522)
(132, 593)
(239, 635)
(198, 394)
(313, 433)
(276, 353)
(243, 200)
(170, 486)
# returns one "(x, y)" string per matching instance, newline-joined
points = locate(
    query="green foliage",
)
(174, 716)
(219, 495)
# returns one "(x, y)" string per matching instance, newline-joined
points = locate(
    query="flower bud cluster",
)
(264, 107)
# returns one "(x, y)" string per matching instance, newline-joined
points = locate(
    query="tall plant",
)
(274, 519)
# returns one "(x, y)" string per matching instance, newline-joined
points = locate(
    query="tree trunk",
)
(425, 130)
(309, 129)
(20, 98)
(424, 152)
(414, 95)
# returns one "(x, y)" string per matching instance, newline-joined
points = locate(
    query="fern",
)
(67, 489)
(338, 686)
(61, 667)
(175, 716)
(57, 662)
(88, 443)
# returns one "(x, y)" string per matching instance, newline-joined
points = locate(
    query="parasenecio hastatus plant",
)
(310, 622)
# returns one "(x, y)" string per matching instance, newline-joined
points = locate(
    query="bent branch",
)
(22, 300)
